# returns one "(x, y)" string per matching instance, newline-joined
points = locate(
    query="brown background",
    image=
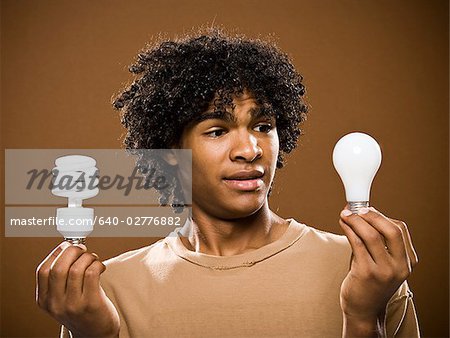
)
(374, 66)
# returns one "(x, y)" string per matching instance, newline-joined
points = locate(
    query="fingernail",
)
(363, 211)
(82, 246)
(64, 245)
(95, 255)
(346, 212)
(373, 209)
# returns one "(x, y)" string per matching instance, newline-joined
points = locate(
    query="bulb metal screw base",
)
(356, 206)
(76, 240)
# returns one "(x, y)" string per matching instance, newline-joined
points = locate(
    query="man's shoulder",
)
(137, 266)
(136, 257)
(327, 237)
(320, 240)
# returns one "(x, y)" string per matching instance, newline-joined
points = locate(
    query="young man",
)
(235, 268)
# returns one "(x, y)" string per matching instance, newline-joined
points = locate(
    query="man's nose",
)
(245, 147)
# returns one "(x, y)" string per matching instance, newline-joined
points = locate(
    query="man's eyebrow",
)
(218, 114)
(258, 112)
(255, 112)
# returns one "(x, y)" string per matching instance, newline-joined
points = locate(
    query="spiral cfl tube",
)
(75, 177)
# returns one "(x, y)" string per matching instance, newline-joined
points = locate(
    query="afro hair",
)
(177, 79)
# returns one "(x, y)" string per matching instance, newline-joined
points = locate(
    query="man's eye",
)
(216, 133)
(264, 128)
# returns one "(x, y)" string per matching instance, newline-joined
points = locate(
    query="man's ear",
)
(169, 157)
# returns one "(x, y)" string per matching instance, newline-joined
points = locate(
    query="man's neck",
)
(224, 237)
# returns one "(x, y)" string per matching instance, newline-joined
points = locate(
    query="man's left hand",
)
(383, 258)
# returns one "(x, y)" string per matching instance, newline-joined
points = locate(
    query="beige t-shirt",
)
(289, 287)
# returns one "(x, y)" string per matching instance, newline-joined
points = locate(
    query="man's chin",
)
(235, 205)
(241, 208)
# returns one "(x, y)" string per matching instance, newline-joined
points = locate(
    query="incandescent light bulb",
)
(357, 157)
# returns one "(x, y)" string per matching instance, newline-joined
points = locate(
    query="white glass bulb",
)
(75, 177)
(357, 157)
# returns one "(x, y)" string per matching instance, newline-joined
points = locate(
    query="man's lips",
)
(245, 175)
(245, 180)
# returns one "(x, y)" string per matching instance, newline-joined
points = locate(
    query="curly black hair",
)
(177, 79)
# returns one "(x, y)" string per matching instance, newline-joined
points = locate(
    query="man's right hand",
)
(68, 288)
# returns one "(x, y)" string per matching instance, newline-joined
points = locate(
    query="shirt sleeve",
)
(401, 318)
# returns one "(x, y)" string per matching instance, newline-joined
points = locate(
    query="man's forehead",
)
(246, 97)
(228, 115)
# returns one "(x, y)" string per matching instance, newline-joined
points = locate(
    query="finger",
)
(372, 239)
(392, 233)
(91, 284)
(42, 274)
(360, 253)
(60, 269)
(408, 242)
(75, 278)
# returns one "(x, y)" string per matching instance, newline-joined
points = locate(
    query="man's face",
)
(234, 158)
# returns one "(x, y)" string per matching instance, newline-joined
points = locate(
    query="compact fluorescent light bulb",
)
(357, 157)
(76, 179)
